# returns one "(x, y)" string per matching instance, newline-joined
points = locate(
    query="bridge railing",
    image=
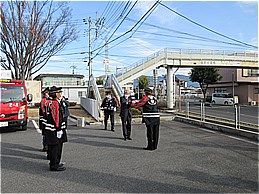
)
(95, 89)
(167, 51)
(116, 85)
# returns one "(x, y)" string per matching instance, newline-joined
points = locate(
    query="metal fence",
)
(238, 116)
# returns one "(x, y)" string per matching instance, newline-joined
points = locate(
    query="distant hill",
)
(161, 78)
(189, 82)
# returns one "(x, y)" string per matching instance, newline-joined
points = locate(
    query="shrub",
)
(136, 111)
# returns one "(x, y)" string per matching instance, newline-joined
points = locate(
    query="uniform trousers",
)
(126, 126)
(152, 136)
(107, 114)
(55, 152)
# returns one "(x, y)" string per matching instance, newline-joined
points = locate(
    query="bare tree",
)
(32, 32)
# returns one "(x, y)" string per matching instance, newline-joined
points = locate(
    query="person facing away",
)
(109, 105)
(43, 116)
(65, 104)
(150, 117)
(55, 129)
(126, 114)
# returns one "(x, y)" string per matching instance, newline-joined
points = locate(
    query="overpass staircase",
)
(113, 84)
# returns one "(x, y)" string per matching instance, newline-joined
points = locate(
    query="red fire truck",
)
(13, 107)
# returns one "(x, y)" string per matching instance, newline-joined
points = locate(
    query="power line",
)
(189, 43)
(107, 41)
(200, 39)
(125, 56)
(213, 31)
(184, 33)
(113, 23)
(143, 17)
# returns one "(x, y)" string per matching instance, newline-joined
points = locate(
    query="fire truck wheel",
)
(24, 127)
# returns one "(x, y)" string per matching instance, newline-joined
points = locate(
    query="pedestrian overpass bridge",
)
(178, 58)
(189, 58)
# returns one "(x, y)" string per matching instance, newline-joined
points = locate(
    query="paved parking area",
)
(188, 160)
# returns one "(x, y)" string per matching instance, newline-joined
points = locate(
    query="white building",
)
(73, 85)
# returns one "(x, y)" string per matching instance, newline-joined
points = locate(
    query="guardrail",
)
(219, 126)
(230, 124)
(91, 106)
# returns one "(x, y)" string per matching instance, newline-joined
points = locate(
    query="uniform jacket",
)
(55, 123)
(109, 104)
(150, 115)
(125, 109)
(42, 113)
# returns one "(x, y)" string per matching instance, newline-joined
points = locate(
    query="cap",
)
(55, 89)
(46, 90)
(148, 90)
(108, 92)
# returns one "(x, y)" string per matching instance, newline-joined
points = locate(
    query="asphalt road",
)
(248, 114)
(189, 159)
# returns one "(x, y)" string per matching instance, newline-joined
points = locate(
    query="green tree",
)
(32, 32)
(205, 76)
(143, 82)
(100, 80)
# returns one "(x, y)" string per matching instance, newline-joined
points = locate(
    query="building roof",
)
(40, 76)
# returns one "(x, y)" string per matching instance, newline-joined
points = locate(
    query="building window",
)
(220, 90)
(250, 73)
(81, 93)
(256, 91)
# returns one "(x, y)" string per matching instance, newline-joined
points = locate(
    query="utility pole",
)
(73, 68)
(90, 48)
(97, 23)
(106, 60)
(89, 22)
(233, 84)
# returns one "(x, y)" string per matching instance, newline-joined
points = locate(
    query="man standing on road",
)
(109, 105)
(126, 114)
(55, 129)
(150, 117)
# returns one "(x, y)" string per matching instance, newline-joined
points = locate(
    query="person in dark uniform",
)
(109, 105)
(65, 104)
(55, 129)
(43, 116)
(150, 117)
(126, 114)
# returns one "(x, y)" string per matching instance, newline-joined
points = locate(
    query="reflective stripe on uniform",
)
(51, 129)
(49, 125)
(150, 114)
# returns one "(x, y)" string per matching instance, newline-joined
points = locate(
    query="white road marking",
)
(229, 136)
(240, 139)
(207, 130)
(36, 126)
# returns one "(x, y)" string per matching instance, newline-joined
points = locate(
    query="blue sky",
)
(162, 29)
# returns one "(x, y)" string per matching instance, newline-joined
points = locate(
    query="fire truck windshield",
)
(12, 94)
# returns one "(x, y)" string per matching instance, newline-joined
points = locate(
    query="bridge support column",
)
(170, 88)
(155, 81)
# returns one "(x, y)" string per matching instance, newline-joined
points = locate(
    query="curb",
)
(219, 127)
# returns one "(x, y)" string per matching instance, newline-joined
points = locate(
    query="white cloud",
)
(160, 14)
(254, 41)
(56, 58)
(249, 7)
(140, 47)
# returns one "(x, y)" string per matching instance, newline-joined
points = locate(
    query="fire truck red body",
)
(13, 107)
